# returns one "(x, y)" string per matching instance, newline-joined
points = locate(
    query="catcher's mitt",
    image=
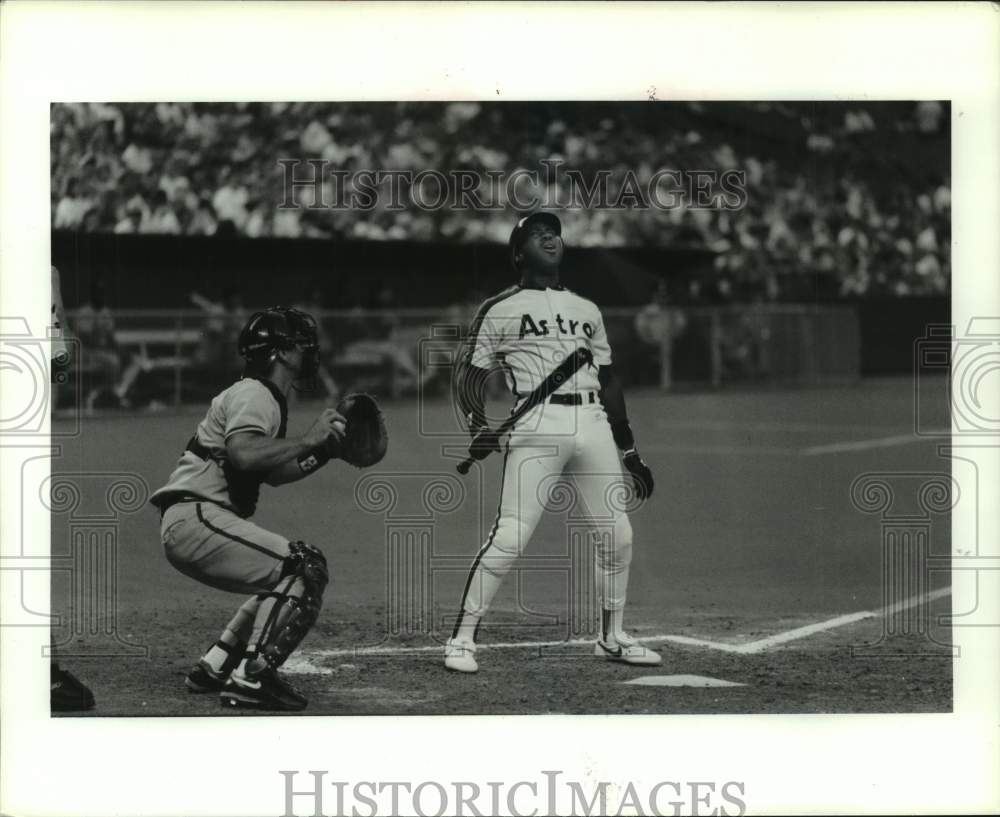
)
(365, 437)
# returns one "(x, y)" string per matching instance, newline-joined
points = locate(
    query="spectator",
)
(230, 201)
(312, 304)
(257, 223)
(100, 356)
(929, 114)
(132, 221)
(163, 218)
(219, 175)
(203, 222)
(657, 325)
(137, 159)
(72, 207)
(175, 184)
(378, 338)
(858, 121)
(217, 357)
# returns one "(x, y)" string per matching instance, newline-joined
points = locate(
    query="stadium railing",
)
(173, 357)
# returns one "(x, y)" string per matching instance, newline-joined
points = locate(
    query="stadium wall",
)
(891, 327)
(159, 272)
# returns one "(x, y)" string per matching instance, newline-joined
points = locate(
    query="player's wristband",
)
(314, 459)
(622, 433)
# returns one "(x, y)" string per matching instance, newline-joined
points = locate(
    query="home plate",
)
(681, 681)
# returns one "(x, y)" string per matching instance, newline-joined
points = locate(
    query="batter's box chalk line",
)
(305, 662)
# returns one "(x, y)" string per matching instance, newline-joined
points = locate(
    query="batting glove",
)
(642, 477)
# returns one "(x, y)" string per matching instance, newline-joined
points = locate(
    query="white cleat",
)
(626, 649)
(460, 656)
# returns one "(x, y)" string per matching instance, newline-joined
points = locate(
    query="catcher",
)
(208, 500)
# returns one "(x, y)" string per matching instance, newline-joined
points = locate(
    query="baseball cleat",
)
(460, 656)
(67, 692)
(202, 678)
(262, 690)
(627, 650)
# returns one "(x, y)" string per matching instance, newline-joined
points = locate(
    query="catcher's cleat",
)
(262, 690)
(202, 678)
(67, 692)
(624, 648)
(460, 656)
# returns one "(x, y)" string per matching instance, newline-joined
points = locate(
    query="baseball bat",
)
(559, 375)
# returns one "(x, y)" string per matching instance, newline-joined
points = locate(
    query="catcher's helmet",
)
(280, 328)
(520, 231)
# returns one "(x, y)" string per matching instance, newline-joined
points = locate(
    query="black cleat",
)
(262, 690)
(69, 693)
(202, 678)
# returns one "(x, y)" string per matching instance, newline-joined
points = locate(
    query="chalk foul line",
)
(862, 445)
(840, 621)
(305, 662)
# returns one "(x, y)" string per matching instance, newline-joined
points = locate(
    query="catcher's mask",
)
(280, 328)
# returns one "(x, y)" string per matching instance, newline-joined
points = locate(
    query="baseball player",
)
(528, 330)
(67, 693)
(207, 501)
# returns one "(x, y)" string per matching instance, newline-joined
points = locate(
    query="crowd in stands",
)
(859, 193)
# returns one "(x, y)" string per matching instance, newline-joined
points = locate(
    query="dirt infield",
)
(752, 533)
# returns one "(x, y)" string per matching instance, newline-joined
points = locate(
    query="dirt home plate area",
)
(754, 573)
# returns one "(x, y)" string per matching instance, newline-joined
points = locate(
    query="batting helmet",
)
(520, 231)
(280, 328)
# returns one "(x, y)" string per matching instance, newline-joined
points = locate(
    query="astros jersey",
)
(203, 471)
(528, 332)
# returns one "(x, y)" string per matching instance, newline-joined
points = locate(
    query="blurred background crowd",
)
(857, 192)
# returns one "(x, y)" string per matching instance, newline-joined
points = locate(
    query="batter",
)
(527, 330)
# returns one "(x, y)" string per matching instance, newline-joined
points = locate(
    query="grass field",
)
(751, 534)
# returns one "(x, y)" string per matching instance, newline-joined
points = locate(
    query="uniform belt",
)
(168, 501)
(575, 399)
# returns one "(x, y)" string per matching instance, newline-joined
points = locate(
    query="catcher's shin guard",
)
(297, 607)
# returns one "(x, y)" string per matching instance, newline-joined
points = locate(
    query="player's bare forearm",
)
(260, 453)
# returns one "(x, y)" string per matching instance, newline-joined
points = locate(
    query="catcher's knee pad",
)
(309, 564)
(304, 578)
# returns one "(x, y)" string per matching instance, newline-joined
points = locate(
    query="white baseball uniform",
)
(528, 332)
